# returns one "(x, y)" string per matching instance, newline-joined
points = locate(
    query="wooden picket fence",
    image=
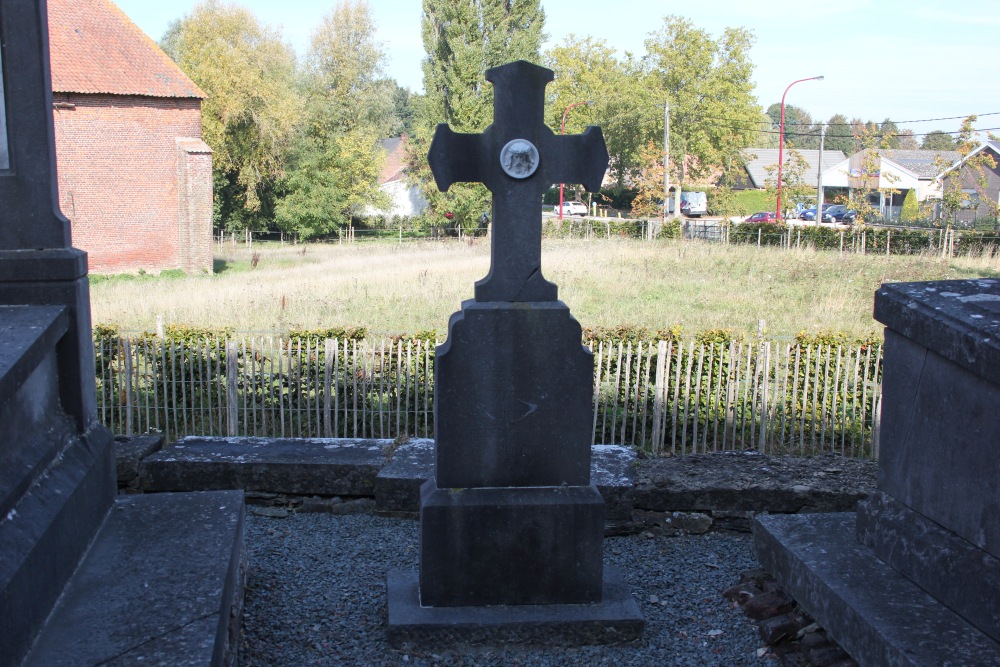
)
(661, 396)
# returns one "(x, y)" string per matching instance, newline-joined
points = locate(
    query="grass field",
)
(393, 288)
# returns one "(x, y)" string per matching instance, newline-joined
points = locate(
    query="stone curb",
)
(670, 495)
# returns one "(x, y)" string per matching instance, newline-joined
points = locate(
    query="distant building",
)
(406, 200)
(981, 199)
(135, 177)
(759, 159)
(891, 176)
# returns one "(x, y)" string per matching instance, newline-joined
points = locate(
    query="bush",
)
(910, 210)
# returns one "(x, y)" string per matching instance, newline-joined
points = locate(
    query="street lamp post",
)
(562, 131)
(781, 140)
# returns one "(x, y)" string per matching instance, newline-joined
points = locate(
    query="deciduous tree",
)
(707, 81)
(838, 134)
(630, 116)
(350, 107)
(965, 186)
(937, 140)
(252, 105)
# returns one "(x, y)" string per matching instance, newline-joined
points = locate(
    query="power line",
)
(896, 122)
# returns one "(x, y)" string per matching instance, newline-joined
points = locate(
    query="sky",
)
(907, 60)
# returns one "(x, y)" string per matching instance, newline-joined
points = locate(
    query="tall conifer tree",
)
(462, 39)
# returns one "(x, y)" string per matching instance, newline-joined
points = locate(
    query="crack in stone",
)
(153, 639)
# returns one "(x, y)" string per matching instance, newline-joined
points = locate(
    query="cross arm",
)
(584, 158)
(455, 157)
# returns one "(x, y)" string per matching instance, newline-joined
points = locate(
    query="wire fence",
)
(660, 396)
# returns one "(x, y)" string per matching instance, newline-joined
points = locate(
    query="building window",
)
(970, 198)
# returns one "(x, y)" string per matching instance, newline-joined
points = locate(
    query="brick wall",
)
(135, 181)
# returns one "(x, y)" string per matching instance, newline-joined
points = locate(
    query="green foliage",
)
(587, 70)
(617, 198)
(350, 107)
(629, 334)
(702, 77)
(800, 129)
(718, 337)
(838, 135)
(340, 333)
(462, 39)
(910, 210)
(251, 108)
(190, 333)
(768, 233)
(105, 331)
(794, 188)
(938, 140)
(872, 179)
(648, 201)
(966, 188)
(834, 339)
(738, 202)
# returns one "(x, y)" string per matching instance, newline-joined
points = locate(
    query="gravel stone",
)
(316, 596)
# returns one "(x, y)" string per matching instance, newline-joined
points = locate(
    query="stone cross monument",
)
(511, 526)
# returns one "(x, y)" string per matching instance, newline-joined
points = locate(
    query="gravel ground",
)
(316, 596)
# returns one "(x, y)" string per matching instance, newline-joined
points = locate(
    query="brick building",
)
(135, 178)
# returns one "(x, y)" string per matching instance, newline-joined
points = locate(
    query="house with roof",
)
(761, 165)
(891, 175)
(979, 183)
(405, 199)
(135, 177)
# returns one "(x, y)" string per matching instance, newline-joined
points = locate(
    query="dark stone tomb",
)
(511, 524)
(913, 578)
(85, 578)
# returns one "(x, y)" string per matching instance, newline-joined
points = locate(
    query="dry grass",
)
(413, 287)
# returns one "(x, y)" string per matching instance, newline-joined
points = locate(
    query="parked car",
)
(764, 216)
(573, 208)
(810, 213)
(839, 213)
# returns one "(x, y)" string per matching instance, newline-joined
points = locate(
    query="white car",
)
(573, 208)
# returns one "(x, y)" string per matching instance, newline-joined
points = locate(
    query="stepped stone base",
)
(162, 584)
(616, 619)
(514, 546)
(397, 486)
(877, 615)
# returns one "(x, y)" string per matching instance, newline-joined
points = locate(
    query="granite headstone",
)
(511, 518)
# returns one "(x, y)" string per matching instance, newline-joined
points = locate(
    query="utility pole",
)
(819, 177)
(666, 159)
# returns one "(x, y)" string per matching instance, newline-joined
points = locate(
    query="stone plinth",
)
(510, 546)
(934, 521)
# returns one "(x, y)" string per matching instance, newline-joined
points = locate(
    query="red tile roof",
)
(96, 49)
(394, 168)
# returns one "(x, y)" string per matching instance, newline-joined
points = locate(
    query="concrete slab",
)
(397, 485)
(162, 585)
(129, 453)
(878, 616)
(301, 466)
(616, 619)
